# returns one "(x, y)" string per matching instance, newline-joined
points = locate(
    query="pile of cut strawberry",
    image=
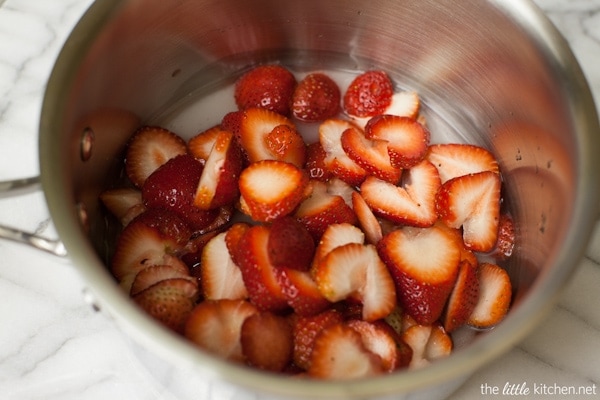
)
(354, 255)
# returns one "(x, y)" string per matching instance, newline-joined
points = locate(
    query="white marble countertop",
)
(54, 346)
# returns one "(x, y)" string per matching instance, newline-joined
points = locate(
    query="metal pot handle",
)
(21, 186)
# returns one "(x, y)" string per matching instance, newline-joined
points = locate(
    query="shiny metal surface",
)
(496, 73)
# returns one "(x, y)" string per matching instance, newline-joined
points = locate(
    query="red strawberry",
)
(232, 122)
(200, 145)
(338, 187)
(495, 293)
(336, 235)
(505, 243)
(290, 244)
(316, 98)
(355, 270)
(260, 276)
(315, 162)
(301, 291)
(218, 185)
(124, 203)
(322, 209)
(305, 331)
(149, 148)
(473, 202)
(221, 278)
(371, 155)
(215, 326)
(156, 273)
(169, 301)
(271, 189)
(267, 341)
(369, 94)
(339, 353)
(407, 140)
(367, 220)
(379, 338)
(168, 224)
(233, 235)
(453, 160)
(404, 104)
(428, 343)
(412, 203)
(259, 130)
(336, 160)
(463, 297)
(424, 265)
(266, 86)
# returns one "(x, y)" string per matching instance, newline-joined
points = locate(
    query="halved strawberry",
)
(355, 270)
(201, 144)
(168, 224)
(495, 294)
(215, 326)
(428, 343)
(505, 243)
(454, 159)
(403, 104)
(367, 220)
(271, 189)
(305, 331)
(301, 291)
(407, 140)
(424, 265)
(149, 148)
(412, 203)
(233, 235)
(336, 160)
(267, 341)
(156, 273)
(473, 202)
(379, 338)
(290, 244)
(260, 276)
(322, 209)
(315, 162)
(124, 203)
(266, 86)
(336, 235)
(371, 154)
(338, 187)
(316, 98)
(258, 124)
(221, 278)
(232, 122)
(339, 353)
(463, 298)
(369, 94)
(218, 183)
(169, 301)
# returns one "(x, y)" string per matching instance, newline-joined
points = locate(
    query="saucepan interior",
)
(494, 73)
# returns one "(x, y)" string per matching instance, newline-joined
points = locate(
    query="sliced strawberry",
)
(149, 148)
(233, 236)
(266, 135)
(315, 162)
(260, 276)
(271, 189)
(495, 293)
(169, 301)
(339, 353)
(221, 278)
(215, 326)
(192, 254)
(336, 160)
(355, 270)
(407, 140)
(379, 339)
(424, 265)
(306, 329)
(266, 86)
(428, 343)
(232, 122)
(336, 235)
(322, 209)
(267, 341)
(463, 297)
(124, 203)
(412, 203)
(366, 219)
(168, 224)
(301, 291)
(369, 94)
(505, 243)
(316, 98)
(290, 244)
(473, 202)
(371, 155)
(453, 160)
(156, 273)
(340, 188)
(404, 104)
(200, 145)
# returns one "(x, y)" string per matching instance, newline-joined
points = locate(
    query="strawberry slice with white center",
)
(495, 293)
(463, 298)
(379, 338)
(337, 235)
(124, 203)
(336, 160)
(271, 189)
(424, 265)
(216, 325)
(428, 343)
(201, 145)
(218, 185)
(412, 203)
(301, 292)
(371, 155)
(339, 187)
(220, 277)
(473, 202)
(149, 148)
(267, 341)
(340, 354)
(407, 139)
(457, 159)
(305, 331)
(403, 104)
(367, 220)
(355, 270)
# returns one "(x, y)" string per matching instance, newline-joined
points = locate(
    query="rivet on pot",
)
(83, 216)
(86, 144)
